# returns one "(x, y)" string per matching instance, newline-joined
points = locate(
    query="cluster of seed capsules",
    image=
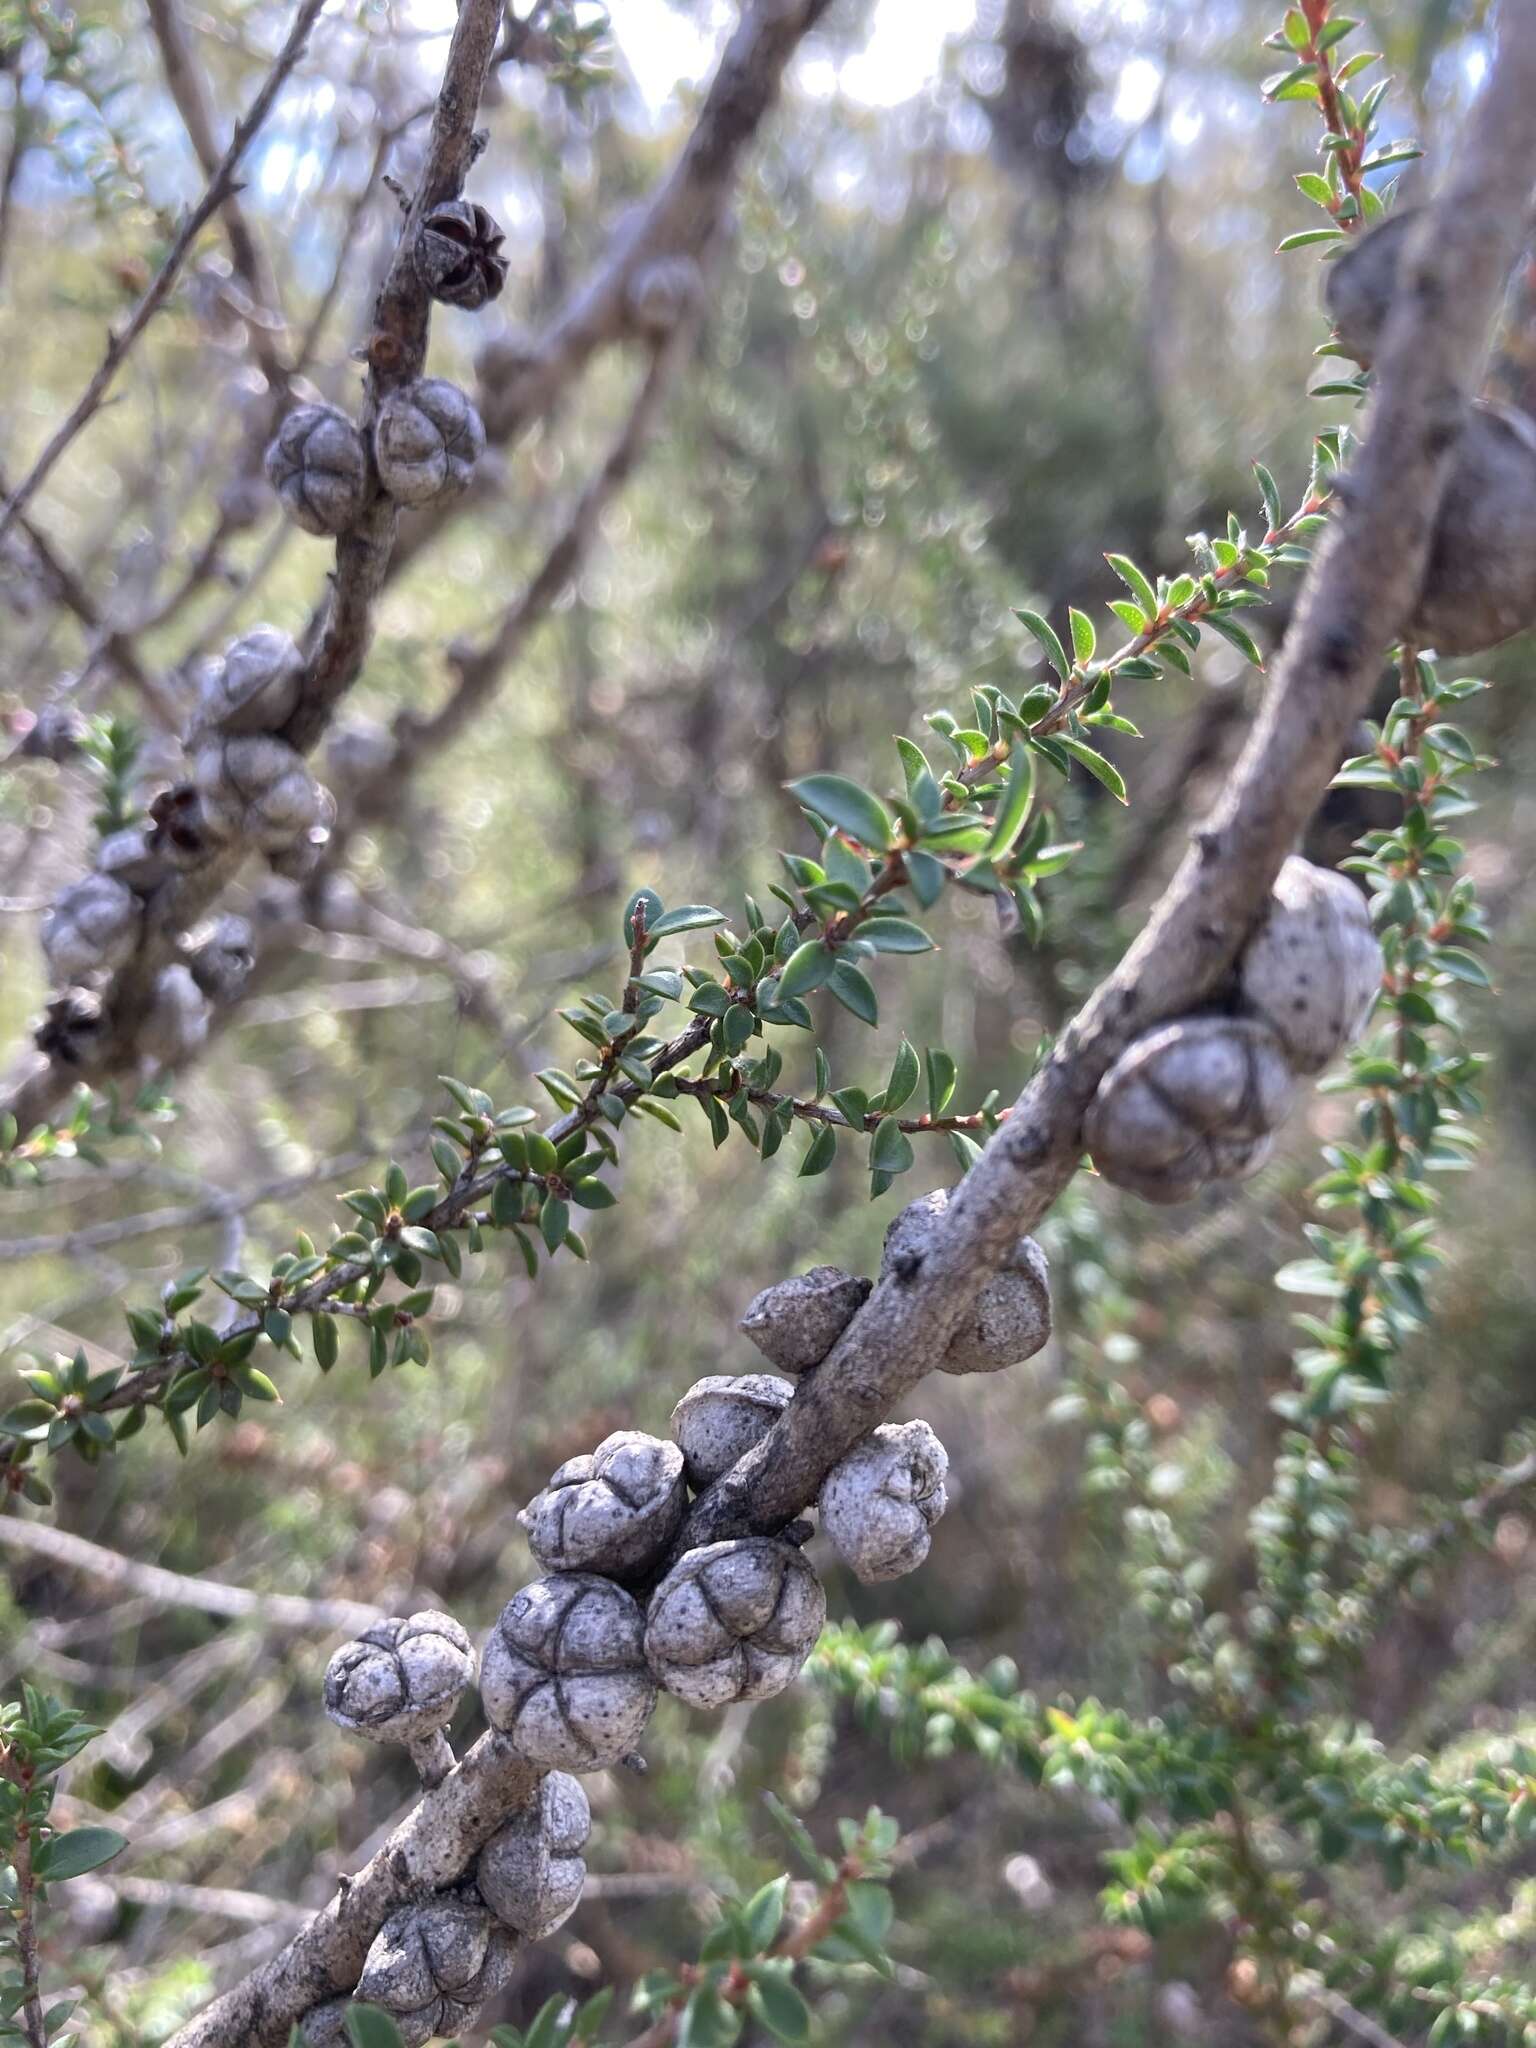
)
(572, 1668)
(248, 786)
(1199, 1099)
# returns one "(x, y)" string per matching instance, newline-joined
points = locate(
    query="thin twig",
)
(185, 1216)
(220, 187)
(175, 1589)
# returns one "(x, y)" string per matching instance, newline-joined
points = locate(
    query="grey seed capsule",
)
(93, 927)
(256, 789)
(1011, 1318)
(531, 1871)
(563, 1675)
(401, 1679)
(721, 1417)
(734, 1621)
(1190, 1102)
(796, 1322)
(879, 1504)
(432, 1966)
(426, 441)
(318, 466)
(614, 1510)
(1312, 969)
(254, 685)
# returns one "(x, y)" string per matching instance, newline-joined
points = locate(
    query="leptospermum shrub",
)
(1246, 1794)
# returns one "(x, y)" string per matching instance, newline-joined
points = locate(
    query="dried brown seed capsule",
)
(879, 1504)
(1188, 1103)
(432, 1966)
(531, 1872)
(734, 1621)
(458, 255)
(177, 1024)
(178, 831)
(1480, 581)
(401, 1679)
(426, 441)
(796, 1322)
(662, 292)
(1312, 969)
(71, 1028)
(255, 788)
(318, 466)
(253, 686)
(1361, 283)
(92, 928)
(563, 1675)
(721, 1417)
(222, 957)
(1011, 1318)
(614, 1510)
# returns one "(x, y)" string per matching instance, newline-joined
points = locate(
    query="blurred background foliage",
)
(1001, 295)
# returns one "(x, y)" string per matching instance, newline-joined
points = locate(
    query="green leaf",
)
(854, 992)
(904, 1078)
(895, 935)
(1136, 582)
(1269, 490)
(820, 1153)
(1235, 635)
(776, 2003)
(707, 2021)
(1307, 237)
(941, 1079)
(844, 804)
(764, 1912)
(807, 968)
(1015, 806)
(72, 1855)
(1045, 633)
(1084, 639)
(870, 1909)
(369, 2027)
(1102, 770)
(890, 1149)
(926, 877)
(326, 1341)
(653, 909)
(737, 1026)
(688, 917)
(554, 1222)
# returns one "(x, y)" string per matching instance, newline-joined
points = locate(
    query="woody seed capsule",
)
(1188, 1103)
(879, 1504)
(1011, 1317)
(734, 1621)
(614, 1510)
(796, 1322)
(721, 1417)
(1312, 969)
